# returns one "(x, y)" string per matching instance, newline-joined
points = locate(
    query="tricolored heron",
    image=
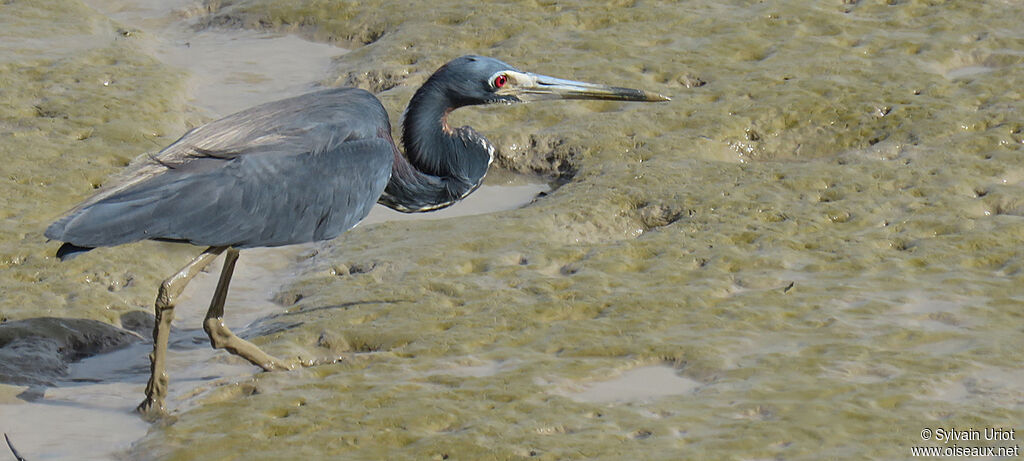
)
(298, 170)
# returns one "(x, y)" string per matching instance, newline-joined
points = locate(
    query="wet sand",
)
(816, 242)
(90, 413)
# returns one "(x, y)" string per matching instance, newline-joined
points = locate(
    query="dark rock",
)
(138, 321)
(37, 351)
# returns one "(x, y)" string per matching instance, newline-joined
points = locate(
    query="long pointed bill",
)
(534, 87)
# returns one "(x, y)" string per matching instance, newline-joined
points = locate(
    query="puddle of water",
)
(230, 70)
(967, 72)
(91, 416)
(501, 191)
(637, 385)
(477, 368)
(238, 69)
(75, 422)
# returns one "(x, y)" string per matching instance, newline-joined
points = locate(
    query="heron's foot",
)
(297, 363)
(151, 409)
(222, 338)
(300, 362)
(308, 363)
(271, 363)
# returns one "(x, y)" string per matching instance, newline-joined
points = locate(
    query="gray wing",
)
(290, 171)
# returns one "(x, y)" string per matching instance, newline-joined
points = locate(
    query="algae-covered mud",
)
(818, 237)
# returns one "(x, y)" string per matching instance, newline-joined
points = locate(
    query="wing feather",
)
(300, 169)
(299, 124)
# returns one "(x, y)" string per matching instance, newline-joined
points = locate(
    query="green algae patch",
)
(78, 102)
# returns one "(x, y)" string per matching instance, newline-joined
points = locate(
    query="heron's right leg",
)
(221, 337)
(170, 289)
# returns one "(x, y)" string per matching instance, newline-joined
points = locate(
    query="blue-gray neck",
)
(441, 165)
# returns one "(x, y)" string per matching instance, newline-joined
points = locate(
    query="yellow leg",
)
(156, 390)
(221, 337)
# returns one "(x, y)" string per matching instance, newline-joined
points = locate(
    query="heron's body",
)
(298, 170)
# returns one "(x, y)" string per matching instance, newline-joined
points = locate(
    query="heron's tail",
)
(115, 220)
(70, 250)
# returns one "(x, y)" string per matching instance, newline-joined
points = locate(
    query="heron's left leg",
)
(153, 407)
(221, 337)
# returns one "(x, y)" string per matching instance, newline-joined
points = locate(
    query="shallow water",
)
(641, 384)
(227, 70)
(819, 237)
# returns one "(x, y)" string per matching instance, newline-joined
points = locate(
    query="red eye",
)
(500, 81)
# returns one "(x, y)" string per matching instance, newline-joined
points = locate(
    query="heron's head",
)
(470, 80)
